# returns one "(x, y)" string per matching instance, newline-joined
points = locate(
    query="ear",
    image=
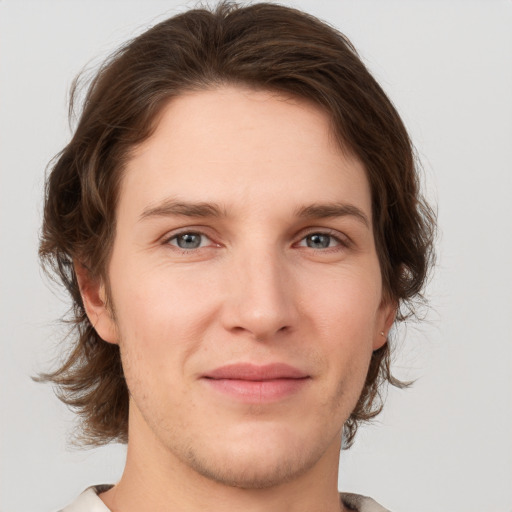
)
(385, 318)
(94, 297)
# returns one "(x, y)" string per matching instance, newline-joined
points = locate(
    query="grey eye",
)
(319, 241)
(188, 240)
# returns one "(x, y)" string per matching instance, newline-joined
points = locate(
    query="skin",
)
(259, 288)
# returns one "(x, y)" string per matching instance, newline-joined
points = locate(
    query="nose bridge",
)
(261, 292)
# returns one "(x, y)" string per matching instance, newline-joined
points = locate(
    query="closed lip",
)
(254, 372)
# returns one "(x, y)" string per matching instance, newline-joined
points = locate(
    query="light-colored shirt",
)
(89, 501)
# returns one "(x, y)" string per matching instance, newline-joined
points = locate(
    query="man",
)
(238, 222)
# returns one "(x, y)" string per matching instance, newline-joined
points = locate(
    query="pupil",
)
(189, 241)
(318, 241)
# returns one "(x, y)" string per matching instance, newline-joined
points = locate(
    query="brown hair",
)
(264, 46)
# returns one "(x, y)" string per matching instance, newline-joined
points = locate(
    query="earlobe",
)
(386, 319)
(94, 298)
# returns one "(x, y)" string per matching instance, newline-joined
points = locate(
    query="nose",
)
(261, 298)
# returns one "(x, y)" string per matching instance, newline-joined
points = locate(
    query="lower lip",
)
(251, 391)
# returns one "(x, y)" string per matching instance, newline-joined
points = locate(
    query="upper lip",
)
(253, 372)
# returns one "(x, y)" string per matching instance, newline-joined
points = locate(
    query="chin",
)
(261, 461)
(244, 472)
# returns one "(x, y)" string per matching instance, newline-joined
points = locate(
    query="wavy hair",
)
(264, 46)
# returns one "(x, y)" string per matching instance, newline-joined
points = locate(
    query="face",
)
(246, 287)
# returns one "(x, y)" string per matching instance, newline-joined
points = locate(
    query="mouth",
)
(251, 383)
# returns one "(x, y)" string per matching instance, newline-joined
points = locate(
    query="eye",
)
(319, 241)
(189, 240)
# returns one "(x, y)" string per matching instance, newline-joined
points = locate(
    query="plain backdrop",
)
(445, 444)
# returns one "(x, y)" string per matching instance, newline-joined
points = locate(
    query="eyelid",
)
(343, 239)
(166, 239)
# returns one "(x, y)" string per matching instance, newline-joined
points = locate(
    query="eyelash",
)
(176, 236)
(342, 242)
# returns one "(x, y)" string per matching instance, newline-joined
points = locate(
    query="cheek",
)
(162, 316)
(345, 317)
(346, 304)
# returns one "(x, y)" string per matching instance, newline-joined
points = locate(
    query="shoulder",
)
(359, 503)
(89, 501)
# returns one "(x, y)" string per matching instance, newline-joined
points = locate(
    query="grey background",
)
(445, 444)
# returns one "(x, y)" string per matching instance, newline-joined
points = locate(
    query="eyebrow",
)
(172, 207)
(332, 210)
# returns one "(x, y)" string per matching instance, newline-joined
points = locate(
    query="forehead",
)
(237, 146)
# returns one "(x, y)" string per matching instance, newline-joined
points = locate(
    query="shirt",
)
(89, 501)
